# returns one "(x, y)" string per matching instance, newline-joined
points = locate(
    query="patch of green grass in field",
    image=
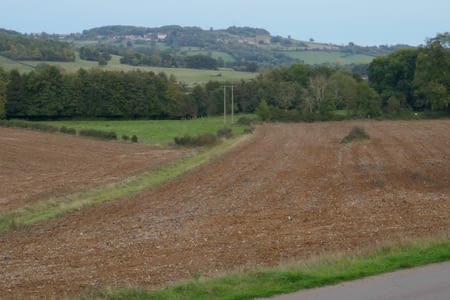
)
(282, 280)
(156, 132)
(8, 65)
(331, 57)
(54, 208)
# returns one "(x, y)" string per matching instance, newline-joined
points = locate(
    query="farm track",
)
(291, 192)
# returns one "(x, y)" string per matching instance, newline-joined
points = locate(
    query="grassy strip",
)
(54, 208)
(266, 283)
(158, 131)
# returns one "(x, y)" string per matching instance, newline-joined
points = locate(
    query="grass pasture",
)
(187, 76)
(331, 57)
(156, 132)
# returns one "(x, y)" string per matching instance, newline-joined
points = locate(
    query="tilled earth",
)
(36, 166)
(292, 191)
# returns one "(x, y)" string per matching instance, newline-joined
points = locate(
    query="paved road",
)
(425, 283)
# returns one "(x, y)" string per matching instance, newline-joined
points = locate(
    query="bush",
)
(245, 121)
(200, 140)
(225, 133)
(263, 111)
(134, 138)
(68, 130)
(357, 134)
(103, 135)
(28, 125)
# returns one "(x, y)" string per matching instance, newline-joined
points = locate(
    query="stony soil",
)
(36, 166)
(292, 191)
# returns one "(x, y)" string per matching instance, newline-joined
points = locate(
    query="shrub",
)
(43, 127)
(225, 133)
(99, 134)
(125, 137)
(68, 130)
(245, 121)
(134, 138)
(263, 111)
(200, 140)
(357, 134)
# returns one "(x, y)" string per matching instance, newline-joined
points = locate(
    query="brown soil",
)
(291, 192)
(36, 166)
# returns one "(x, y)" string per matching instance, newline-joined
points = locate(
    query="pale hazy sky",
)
(342, 21)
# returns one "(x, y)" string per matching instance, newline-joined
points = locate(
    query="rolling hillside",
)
(178, 48)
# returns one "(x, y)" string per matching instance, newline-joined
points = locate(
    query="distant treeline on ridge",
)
(407, 80)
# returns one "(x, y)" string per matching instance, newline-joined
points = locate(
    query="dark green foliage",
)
(357, 134)
(134, 138)
(46, 93)
(125, 137)
(197, 141)
(414, 79)
(225, 133)
(68, 130)
(28, 125)
(100, 54)
(99, 134)
(263, 111)
(245, 121)
(201, 62)
(23, 47)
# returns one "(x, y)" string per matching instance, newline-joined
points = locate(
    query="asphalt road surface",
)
(431, 282)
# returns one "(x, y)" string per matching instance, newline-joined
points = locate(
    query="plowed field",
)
(290, 192)
(37, 166)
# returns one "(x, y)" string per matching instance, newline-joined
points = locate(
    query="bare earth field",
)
(37, 166)
(291, 192)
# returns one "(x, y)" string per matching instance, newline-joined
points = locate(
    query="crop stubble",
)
(291, 192)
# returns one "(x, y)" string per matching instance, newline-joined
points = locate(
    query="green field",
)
(187, 76)
(156, 132)
(331, 57)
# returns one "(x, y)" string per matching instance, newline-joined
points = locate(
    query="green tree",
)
(3, 84)
(342, 89)
(263, 110)
(15, 96)
(368, 103)
(393, 76)
(432, 77)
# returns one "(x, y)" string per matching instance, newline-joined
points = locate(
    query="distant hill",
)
(17, 46)
(238, 48)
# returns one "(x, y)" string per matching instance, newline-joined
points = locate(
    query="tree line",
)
(407, 80)
(22, 47)
(47, 93)
(417, 79)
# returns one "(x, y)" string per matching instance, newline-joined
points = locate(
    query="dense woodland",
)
(407, 80)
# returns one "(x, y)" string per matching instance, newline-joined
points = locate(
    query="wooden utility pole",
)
(232, 104)
(225, 103)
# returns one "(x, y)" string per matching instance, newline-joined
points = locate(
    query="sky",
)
(366, 23)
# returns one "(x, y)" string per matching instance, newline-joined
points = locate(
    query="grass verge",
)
(324, 271)
(54, 208)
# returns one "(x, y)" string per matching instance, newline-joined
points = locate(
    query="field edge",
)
(315, 272)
